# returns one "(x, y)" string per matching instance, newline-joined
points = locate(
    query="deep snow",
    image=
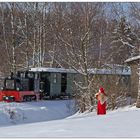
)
(29, 112)
(123, 122)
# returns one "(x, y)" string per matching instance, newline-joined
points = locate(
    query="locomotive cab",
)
(11, 83)
(17, 89)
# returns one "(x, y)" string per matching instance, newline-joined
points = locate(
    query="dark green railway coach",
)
(50, 82)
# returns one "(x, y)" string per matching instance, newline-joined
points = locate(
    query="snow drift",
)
(121, 123)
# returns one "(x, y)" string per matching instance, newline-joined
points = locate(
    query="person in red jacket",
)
(101, 97)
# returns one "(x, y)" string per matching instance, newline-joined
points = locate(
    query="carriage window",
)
(22, 75)
(44, 75)
(36, 75)
(55, 78)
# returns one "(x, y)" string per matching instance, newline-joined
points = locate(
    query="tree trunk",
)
(138, 97)
(13, 38)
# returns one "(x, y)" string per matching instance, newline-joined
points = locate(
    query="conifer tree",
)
(122, 42)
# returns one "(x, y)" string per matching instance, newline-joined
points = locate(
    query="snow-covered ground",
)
(30, 112)
(123, 122)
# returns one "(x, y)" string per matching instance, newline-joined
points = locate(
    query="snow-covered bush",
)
(13, 114)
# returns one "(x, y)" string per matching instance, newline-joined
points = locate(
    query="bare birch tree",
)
(75, 35)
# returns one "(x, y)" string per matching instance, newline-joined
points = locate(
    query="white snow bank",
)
(29, 112)
(123, 122)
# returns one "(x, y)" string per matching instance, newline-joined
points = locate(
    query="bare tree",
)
(75, 35)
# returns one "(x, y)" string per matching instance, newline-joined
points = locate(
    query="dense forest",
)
(78, 35)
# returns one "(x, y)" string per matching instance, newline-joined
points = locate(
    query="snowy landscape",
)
(62, 63)
(57, 119)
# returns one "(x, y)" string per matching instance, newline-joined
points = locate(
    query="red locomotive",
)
(18, 89)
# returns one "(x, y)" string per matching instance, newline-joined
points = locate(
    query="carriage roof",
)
(125, 71)
(57, 70)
